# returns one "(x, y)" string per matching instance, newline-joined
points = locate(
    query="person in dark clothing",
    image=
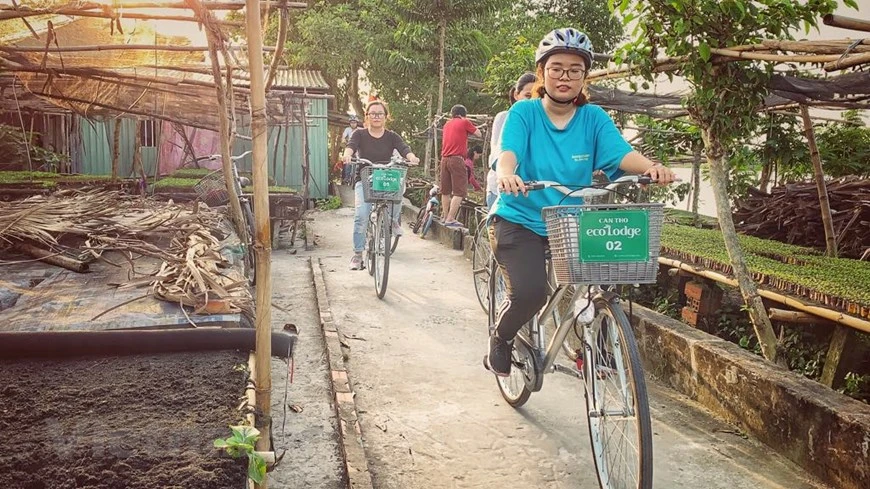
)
(375, 143)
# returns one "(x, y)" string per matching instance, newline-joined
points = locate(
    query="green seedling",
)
(242, 444)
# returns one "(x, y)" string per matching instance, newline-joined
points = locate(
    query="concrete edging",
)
(350, 433)
(826, 433)
(452, 238)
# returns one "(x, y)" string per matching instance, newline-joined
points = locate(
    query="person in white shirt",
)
(521, 91)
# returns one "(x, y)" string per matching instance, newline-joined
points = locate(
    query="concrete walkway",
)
(432, 417)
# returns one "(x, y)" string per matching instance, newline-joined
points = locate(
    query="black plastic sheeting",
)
(850, 91)
(17, 345)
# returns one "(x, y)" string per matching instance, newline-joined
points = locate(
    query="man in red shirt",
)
(454, 176)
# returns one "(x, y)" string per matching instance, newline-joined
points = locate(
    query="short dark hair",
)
(459, 111)
(474, 149)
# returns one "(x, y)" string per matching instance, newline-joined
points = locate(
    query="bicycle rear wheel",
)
(616, 401)
(250, 256)
(381, 256)
(480, 270)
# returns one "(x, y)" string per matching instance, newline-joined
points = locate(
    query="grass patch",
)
(190, 173)
(173, 182)
(26, 176)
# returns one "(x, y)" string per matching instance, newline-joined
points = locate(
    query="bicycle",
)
(426, 214)
(481, 257)
(583, 263)
(383, 186)
(212, 190)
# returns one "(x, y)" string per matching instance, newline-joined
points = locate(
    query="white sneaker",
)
(356, 262)
(397, 229)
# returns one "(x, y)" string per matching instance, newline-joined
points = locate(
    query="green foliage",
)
(329, 204)
(173, 182)
(724, 95)
(845, 148)
(857, 386)
(14, 144)
(241, 444)
(802, 269)
(519, 29)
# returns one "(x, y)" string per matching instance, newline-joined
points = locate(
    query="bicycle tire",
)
(395, 244)
(481, 256)
(382, 251)
(426, 225)
(515, 388)
(368, 259)
(418, 221)
(250, 255)
(611, 329)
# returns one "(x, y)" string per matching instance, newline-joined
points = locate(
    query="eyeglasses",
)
(573, 73)
(376, 115)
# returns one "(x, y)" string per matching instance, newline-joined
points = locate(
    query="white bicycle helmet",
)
(565, 40)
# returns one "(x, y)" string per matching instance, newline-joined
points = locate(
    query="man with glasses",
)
(375, 143)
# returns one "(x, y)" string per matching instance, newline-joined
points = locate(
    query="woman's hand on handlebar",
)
(512, 184)
(413, 160)
(661, 174)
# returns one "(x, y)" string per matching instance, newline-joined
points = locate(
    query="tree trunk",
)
(766, 172)
(137, 156)
(116, 149)
(263, 240)
(696, 185)
(442, 39)
(353, 92)
(748, 289)
(426, 159)
(819, 175)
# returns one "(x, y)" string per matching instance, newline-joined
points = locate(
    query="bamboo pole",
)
(796, 317)
(283, 25)
(12, 14)
(833, 316)
(819, 176)
(152, 5)
(116, 47)
(841, 63)
(263, 246)
(835, 352)
(116, 149)
(844, 22)
(53, 258)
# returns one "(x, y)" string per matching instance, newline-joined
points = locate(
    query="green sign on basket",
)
(386, 180)
(614, 236)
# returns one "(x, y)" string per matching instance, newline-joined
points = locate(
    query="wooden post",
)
(263, 240)
(819, 175)
(835, 351)
(426, 158)
(306, 163)
(116, 149)
(137, 157)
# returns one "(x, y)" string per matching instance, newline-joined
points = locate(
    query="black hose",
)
(131, 342)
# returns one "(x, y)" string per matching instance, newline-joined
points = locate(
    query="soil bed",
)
(141, 421)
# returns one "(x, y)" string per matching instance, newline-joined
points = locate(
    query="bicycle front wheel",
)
(480, 270)
(616, 401)
(381, 256)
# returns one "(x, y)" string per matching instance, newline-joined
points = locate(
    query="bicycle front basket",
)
(212, 189)
(605, 244)
(381, 183)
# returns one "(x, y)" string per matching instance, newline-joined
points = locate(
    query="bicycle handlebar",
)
(394, 161)
(590, 190)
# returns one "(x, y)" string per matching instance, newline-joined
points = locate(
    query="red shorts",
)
(454, 176)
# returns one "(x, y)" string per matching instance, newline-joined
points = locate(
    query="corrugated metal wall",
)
(286, 146)
(92, 154)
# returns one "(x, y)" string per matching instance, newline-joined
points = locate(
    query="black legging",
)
(521, 256)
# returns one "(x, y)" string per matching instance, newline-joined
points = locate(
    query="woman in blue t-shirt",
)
(555, 136)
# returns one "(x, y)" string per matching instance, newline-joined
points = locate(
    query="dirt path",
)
(432, 417)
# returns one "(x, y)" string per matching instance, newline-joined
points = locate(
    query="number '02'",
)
(613, 245)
